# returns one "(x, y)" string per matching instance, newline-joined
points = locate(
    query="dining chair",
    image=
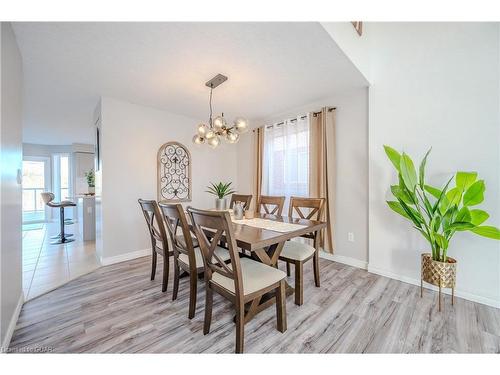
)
(246, 199)
(187, 256)
(298, 253)
(271, 204)
(241, 281)
(159, 241)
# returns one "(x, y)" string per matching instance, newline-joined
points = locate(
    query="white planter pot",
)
(220, 204)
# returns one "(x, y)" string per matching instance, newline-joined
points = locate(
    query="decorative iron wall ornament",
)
(174, 173)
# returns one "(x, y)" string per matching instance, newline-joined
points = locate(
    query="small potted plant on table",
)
(438, 214)
(221, 191)
(90, 177)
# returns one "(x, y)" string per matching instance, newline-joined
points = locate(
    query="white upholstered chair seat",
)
(296, 250)
(222, 253)
(255, 276)
(180, 239)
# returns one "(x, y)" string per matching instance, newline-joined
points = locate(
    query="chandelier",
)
(217, 128)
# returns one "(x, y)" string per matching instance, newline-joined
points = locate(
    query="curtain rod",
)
(329, 109)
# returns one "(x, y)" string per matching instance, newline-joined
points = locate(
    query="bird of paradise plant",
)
(438, 213)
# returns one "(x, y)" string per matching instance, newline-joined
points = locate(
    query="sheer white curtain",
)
(286, 158)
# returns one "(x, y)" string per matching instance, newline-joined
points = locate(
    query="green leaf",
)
(411, 214)
(414, 215)
(447, 218)
(454, 196)
(457, 225)
(465, 179)
(401, 194)
(478, 216)
(444, 205)
(393, 156)
(474, 194)
(396, 207)
(428, 207)
(437, 223)
(487, 231)
(408, 172)
(441, 241)
(421, 169)
(442, 201)
(463, 215)
(435, 192)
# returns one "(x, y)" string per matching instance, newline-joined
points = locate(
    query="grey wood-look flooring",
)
(118, 309)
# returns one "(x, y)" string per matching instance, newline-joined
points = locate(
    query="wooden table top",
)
(252, 238)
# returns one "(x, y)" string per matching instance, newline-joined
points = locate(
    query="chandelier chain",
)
(210, 104)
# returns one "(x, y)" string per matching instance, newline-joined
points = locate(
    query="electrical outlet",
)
(350, 237)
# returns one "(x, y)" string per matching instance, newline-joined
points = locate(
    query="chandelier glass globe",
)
(214, 141)
(241, 125)
(202, 130)
(232, 137)
(219, 123)
(198, 140)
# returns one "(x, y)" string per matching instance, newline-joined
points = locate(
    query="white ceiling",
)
(271, 67)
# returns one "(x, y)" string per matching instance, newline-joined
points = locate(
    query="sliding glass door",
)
(36, 179)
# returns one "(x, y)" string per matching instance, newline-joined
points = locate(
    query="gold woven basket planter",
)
(440, 274)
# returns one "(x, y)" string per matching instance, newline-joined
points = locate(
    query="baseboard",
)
(344, 260)
(465, 295)
(106, 261)
(12, 324)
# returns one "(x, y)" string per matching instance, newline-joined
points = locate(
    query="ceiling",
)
(272, 67)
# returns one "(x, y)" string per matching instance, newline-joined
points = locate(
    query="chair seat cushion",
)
(255, 275)
(294, 250)
(220, 251)
(180, 239)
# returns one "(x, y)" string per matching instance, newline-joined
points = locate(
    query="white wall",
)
(131, 137)
(351, 204)
(10, 205)
(356, 48)
(432, 84)
(435, 85)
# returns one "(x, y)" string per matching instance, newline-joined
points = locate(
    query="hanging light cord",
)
(210, 104)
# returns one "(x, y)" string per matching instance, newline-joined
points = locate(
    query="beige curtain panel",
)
(258, 139)
(322, 169)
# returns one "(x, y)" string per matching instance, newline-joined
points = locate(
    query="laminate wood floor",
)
(117, 309)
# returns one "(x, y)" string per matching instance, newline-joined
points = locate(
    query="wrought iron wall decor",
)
(174, 173)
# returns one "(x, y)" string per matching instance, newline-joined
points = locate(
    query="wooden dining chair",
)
(242, 281)
(298, 253)
(246, 199)
(187, 256)
(270, 205)
(159, 242)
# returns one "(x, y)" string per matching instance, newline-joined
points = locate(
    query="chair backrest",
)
(271, 205)
(47, 197)
(219, 226)
(246, 199)
(314, 205)
(155, 225)
(174, 217)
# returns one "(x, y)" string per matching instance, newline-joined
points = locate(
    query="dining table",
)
(263, 237)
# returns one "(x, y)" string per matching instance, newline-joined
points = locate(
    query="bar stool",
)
(48, 199)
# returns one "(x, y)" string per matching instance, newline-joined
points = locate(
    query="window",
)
(33, 184)
(286, 158)
(64, 177)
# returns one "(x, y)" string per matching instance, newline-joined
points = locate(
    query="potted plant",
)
(438, 214)
(90, 176)
(221, 191)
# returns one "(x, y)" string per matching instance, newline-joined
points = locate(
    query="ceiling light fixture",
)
(217, 128)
